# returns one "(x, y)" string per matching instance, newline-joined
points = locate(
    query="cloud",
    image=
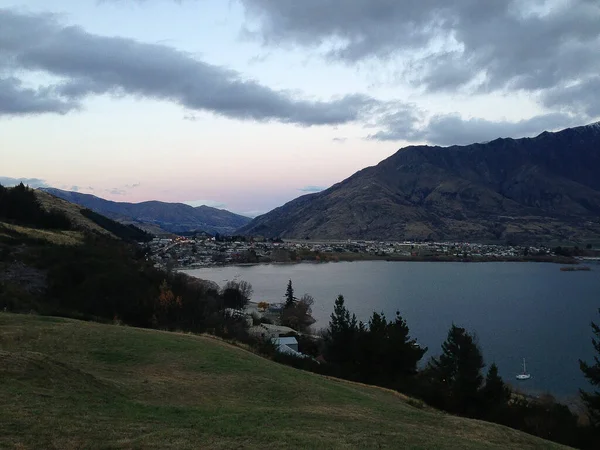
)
(539, 46)
(116, 191)
(312, 189)
(18, 100)
(31, 182)
(452, 129)
(339, 140)
(581, 96)
(211, 203)
(75, 188)
(89, 64)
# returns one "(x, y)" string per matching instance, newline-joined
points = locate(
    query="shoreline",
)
(337, 258)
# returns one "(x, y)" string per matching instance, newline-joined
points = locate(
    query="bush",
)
(14, 298)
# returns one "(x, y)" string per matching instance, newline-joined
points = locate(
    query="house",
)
(269, 331)
(289, 342)
(239, 314)
(288, 345)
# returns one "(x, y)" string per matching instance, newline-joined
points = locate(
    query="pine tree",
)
(457, 372)
(290, 300)
(405, 352)
(342, 337)
(592, 373)
(495, 393)
(389, 353)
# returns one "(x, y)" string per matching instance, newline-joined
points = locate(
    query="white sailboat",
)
(524, 375)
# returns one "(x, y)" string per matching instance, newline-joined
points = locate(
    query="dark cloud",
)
(31, 182)
(17, 100)
(477, 46)
(582, 96)
(90, 64)
(312, 189)
(452, 129)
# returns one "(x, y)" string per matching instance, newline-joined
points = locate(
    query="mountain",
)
(540, 189)
(156, 216)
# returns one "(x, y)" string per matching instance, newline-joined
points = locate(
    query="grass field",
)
(66, 384)
(56, 237)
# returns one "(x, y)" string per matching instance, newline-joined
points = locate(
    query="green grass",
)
(56, 237)
(66, 384)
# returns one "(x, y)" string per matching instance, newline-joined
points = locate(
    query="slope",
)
(522, 190)
(170, 217)
(72, 211)
(70, 384)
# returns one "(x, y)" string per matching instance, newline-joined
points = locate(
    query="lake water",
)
(517, 310)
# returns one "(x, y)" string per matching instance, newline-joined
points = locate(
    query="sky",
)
(247, 104)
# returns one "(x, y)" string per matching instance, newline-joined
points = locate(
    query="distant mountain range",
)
(156, 216)
(538, 189)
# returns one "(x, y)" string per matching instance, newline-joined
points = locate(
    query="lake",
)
(517, 310)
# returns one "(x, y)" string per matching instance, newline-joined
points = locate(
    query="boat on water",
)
(524, 375)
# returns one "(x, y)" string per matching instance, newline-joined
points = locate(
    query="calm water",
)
(517, 310)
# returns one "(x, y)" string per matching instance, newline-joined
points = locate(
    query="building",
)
(289, 342)
(268, 331)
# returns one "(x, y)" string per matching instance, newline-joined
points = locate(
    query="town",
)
(206, 251)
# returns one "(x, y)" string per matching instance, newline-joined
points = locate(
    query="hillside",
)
(72, 211)
(105, 386)
(520, 190)
(25, 214)
(170, 217)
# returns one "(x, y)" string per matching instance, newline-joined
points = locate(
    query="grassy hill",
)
(72, 211)
(68, 384)
(9, 232)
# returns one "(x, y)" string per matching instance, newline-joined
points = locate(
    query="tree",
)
(405, 352)
(341, 338)
(290, 300)
(169, 305)
(457, 372)
(299, 315)
(236, 294)
(20, 205)
(592, 373)
(388, 354)
(495, 393)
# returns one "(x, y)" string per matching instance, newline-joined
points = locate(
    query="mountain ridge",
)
(152, 214)
(529, 189)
